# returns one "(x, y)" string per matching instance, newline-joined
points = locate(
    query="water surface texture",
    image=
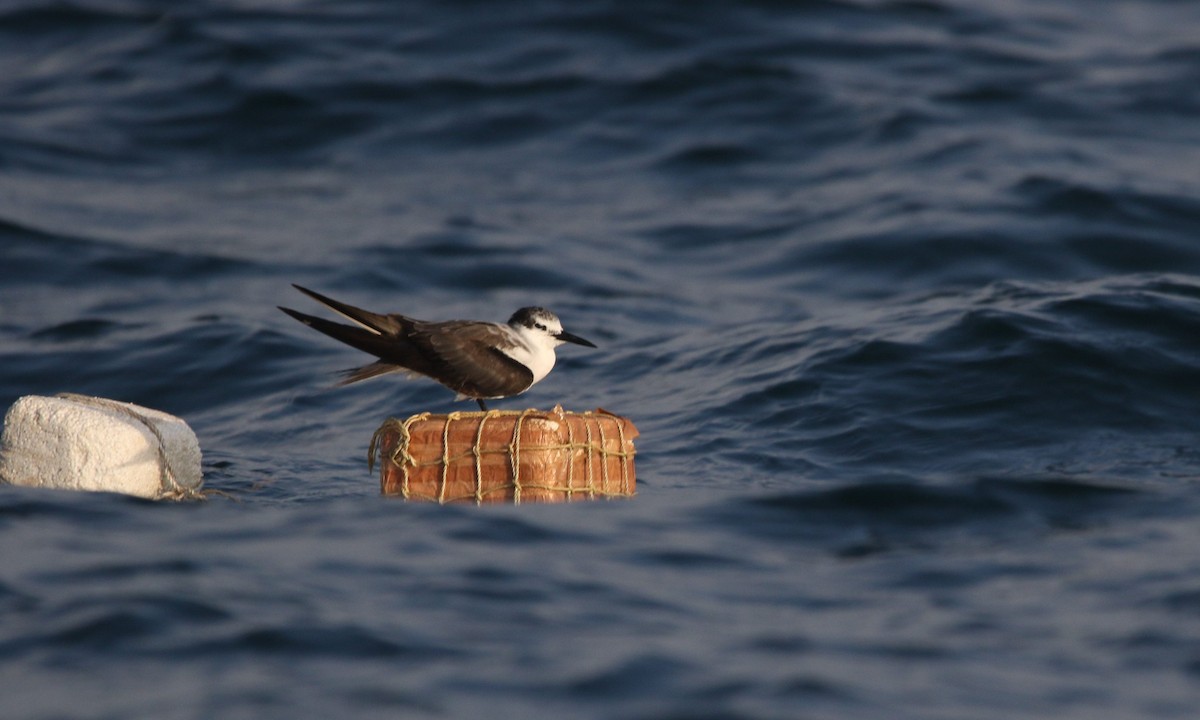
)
(904, 298)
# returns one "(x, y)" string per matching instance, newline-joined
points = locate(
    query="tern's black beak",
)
(565, 336)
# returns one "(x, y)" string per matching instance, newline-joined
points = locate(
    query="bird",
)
(477, 360)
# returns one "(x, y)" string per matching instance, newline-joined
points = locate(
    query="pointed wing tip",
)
(297, 315)
(311, 293)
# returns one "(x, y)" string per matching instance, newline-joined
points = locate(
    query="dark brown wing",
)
(468, 362)
(393, 324)
(459, 354)
(388, 348)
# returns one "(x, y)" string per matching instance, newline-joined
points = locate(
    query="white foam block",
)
(74, 442)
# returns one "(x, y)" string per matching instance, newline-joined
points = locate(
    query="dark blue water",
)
(904, 298)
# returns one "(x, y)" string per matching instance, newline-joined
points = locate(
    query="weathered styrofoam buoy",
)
(506, 456)
(76, 442)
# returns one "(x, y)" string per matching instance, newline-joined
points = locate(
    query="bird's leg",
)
(481, 405)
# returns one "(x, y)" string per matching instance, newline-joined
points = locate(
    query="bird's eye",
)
(539, 326)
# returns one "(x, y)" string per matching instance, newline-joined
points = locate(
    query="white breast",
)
(535, 352)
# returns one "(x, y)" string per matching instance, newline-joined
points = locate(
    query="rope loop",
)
(170, 487)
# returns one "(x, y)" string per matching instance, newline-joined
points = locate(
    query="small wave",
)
(959, 383)
(84, 329)
(314, 641)
(866, 518)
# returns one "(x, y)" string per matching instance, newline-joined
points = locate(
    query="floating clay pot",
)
(506, 456)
